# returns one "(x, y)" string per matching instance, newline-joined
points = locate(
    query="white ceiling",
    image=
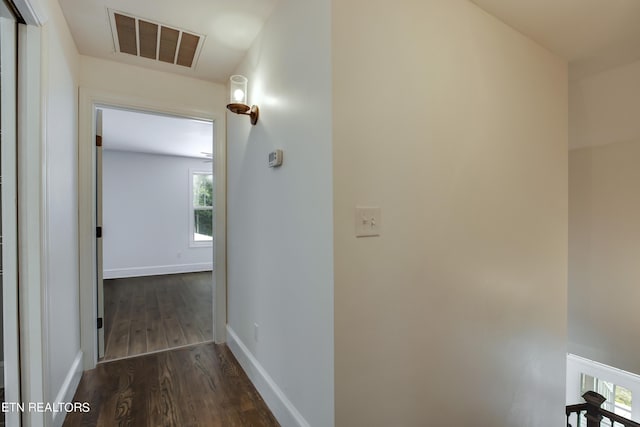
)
(593, 35)
(230, 26)
(149, 133)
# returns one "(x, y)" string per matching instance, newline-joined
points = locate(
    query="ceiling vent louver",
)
(147, 39)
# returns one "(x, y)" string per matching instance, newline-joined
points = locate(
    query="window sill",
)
(200, 244)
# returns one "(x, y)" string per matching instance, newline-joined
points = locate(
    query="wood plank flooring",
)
(147, 314)
(198, 386)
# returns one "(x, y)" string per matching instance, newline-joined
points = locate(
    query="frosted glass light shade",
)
(238, 90)
(238, 99)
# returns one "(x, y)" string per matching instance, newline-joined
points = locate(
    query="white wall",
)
(280, 268)
(604, 212)
(146, 221)
(150, 85)
(604, 107)
(456, 126)
(60, 67)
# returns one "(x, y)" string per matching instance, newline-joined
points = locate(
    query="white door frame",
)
(89, 99)
(99, 245)
(32, 256)
(9, 144)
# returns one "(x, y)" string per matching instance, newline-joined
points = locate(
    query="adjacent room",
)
(157, 232)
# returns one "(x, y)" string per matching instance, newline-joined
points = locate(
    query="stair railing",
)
(595, 413)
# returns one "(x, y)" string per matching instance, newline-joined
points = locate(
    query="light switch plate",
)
(368, 221)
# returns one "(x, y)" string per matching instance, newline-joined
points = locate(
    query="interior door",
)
(99, 265)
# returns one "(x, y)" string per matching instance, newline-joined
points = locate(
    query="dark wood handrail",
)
(594, 413)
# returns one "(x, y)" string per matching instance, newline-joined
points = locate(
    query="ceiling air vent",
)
(148, 39)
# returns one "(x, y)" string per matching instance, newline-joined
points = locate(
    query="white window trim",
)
(193, 243)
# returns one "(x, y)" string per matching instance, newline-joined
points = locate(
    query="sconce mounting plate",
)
(254, 114)
(238, 108)
(253, 111)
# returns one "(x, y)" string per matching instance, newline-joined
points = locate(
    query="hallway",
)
(201, 385)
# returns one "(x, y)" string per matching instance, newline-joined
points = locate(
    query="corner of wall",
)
(282, 408)
(280, 252)
(67, 390)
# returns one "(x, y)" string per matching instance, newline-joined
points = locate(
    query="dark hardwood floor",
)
(147, 314)
(201, 385)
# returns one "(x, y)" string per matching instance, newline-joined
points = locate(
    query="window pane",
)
(202, 190)
(623, 396)
(203, 225)
(588, 383)
(623, 401)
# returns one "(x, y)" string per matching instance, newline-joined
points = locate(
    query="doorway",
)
(89, 101)
(154, 213)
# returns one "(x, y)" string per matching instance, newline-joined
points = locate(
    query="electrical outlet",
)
(368, 221)
(256, 329)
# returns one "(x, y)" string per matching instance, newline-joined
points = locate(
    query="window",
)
(618, 398)
(201, 208)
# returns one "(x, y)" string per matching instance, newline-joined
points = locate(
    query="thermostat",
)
(275, 159)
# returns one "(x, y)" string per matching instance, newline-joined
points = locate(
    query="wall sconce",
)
(238, 99)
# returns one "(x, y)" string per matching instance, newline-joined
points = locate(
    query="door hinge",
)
(98, 232)
(99, 322)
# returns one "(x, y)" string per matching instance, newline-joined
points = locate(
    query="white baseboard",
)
(68, 389)
(282, 408)
(156, 270)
